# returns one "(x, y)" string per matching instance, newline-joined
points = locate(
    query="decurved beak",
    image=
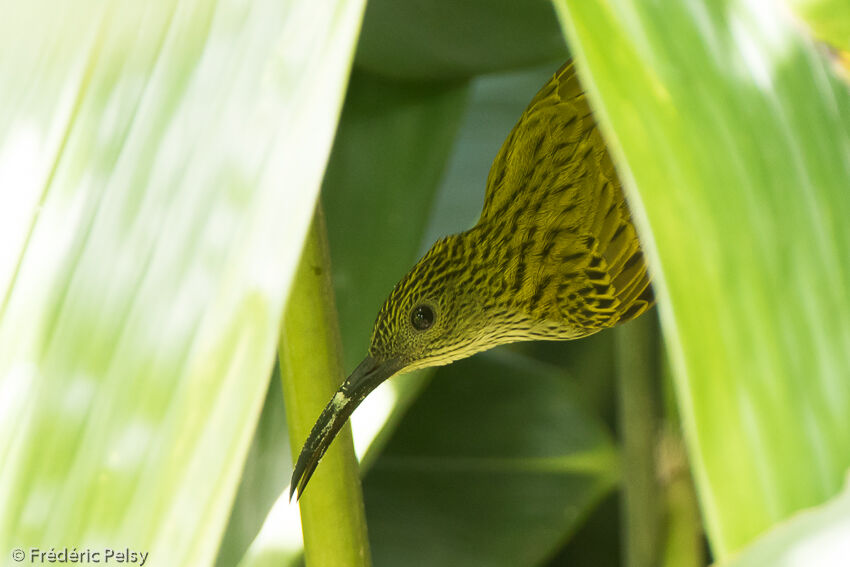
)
(354, 390)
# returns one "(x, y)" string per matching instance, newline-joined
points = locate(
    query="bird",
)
(554, 255)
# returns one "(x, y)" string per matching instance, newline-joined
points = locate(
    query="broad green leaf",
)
(734, 139)
(494, 464)
(816, 537)
(432, 40)
(161, 162)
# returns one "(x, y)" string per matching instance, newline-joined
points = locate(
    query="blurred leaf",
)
(829, 20)
(266, 474)
(818, 537)
(444, 39)
(494, 464)
(734, 140)
(596, 542)
(590, 361)
(162, 161)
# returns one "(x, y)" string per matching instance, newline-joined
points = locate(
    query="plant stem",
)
(637, 362)
(332, 516)
(682, 541)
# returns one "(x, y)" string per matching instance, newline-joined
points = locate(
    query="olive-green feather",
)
(553, 256)
(553, 181)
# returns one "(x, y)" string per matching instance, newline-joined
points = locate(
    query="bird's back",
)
(557, 220)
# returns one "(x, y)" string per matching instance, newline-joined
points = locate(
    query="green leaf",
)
(596, 542)
(734, 139)
(494, 464)
(829, 20)
(442, 39)
(161, 162)
(266, 473)
(819, 536)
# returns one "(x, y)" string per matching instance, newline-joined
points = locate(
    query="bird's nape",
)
(365, 378)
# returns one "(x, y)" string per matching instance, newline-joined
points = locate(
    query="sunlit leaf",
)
(819, 536)
(829, 20)
(266, 474)
(734, 139)
(159, 162)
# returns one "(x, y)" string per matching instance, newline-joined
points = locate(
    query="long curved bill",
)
(354, 390)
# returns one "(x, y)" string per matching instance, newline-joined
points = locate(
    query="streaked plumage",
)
(553, 256)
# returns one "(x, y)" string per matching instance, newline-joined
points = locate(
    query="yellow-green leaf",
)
(815, 537)
(159, 163)
(734, 139)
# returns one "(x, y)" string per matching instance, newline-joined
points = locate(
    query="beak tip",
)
(362, 381)
(298, 482)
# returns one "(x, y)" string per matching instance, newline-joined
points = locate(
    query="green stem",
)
(637, 361)
(683, 541)
(332, 517)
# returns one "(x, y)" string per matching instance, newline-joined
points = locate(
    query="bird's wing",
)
(554, 173)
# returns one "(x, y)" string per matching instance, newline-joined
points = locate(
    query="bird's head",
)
(436, 314)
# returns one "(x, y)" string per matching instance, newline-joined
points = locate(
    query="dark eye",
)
(422, 317)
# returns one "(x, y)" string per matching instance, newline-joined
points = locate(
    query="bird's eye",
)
(422, 317)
